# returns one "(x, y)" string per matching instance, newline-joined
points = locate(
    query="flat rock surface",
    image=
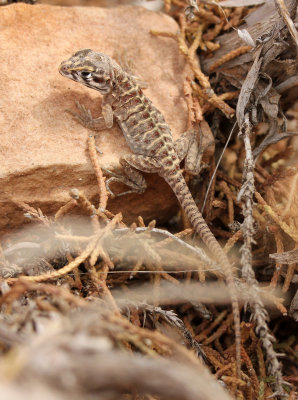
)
(43, 150)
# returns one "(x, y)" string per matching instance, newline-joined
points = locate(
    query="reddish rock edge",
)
(43, 150)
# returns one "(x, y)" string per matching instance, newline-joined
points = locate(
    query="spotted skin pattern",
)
(150, 139)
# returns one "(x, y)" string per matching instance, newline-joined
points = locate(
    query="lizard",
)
(150, 139)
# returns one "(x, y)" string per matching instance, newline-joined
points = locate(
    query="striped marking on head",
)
(83, 68)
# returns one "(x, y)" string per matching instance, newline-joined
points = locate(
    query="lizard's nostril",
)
(63, 68)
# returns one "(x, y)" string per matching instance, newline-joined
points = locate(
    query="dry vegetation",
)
(92, 308)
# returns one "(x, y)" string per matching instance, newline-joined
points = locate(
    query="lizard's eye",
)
(86, 74)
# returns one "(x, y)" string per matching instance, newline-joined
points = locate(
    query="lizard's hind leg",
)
(132, 165)
(182, 144)
(190, 149)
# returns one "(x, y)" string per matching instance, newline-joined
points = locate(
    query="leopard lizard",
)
(150, 139)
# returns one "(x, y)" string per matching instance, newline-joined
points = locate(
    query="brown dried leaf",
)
(248, 87)
(271, 139)
(287, 18)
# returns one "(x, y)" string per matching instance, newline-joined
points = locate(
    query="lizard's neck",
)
(123, 82)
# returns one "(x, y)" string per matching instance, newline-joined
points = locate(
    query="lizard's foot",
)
(136, 187)
(84, 116)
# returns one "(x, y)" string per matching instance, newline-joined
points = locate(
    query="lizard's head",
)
(89, 68)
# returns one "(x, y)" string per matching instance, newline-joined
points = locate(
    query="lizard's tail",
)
(181, 190)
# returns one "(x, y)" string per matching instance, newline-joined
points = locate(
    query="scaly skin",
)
(150, 139)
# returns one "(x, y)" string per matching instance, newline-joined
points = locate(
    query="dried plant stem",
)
(213, 32)
(190, 54)
(203, 335)
(22, 285)
(211, 190)
(228, 179)
(174, 238)
(87, 206)
(230, 56)
(103, 195)
(99, 251)
(223, 185)
(291, 196)
(166, 344)
(167, 5)
(82, 200)
(259, 313)
(77, 261)
(215, 358)
(106, 290)
(231, 242)
(77, 278)
(292, 395)
(62, 271)
(196, 43)
(276, 301)
(195, 113)
(208, 16)
(209, 95)
(290, 273)
(223, 370)
(261, 361)
(276, 218)
(65, 209)
(250, 369)
(278, 266)
(220, 331)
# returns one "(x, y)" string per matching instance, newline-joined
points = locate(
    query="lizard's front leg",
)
(131, 165)
(85, 118)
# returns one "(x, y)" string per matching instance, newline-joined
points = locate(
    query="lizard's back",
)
(143, 125)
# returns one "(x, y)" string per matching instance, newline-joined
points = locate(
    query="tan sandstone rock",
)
(43, 150)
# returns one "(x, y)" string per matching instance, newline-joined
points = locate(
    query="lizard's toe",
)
(84, 112)
(83, 116)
